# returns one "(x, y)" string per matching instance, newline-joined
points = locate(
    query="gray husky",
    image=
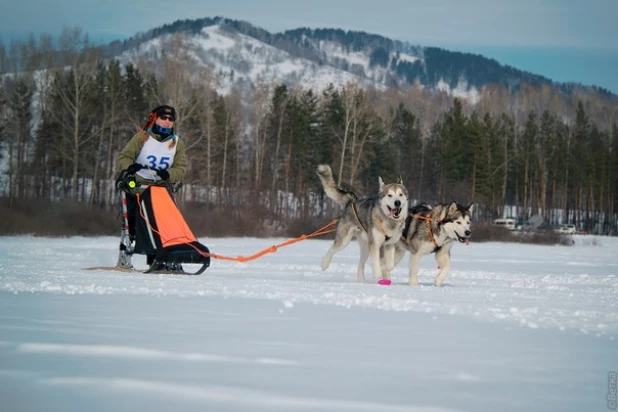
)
(432, 230)
(374, 221)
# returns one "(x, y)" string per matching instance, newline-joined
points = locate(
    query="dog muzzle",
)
(463, 239)
(394, 212)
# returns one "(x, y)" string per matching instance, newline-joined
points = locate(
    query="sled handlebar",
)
(126, 181)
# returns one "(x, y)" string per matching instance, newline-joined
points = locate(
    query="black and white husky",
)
(432, 230)
(375, 221)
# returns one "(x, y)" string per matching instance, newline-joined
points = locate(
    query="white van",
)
(506, 223)
(567, 229)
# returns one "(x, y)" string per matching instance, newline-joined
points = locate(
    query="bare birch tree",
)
(81, 60)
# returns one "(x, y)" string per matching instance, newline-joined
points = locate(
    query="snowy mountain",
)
(237, 51)
(235, 57)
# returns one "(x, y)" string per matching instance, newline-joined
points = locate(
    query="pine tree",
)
(407, 149)
(528, 165)
(452, 150)
(544, 149)
(135, 98)
(582, 167)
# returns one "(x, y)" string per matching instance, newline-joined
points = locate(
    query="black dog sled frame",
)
(160, 230)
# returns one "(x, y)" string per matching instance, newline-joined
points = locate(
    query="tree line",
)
(67, 111)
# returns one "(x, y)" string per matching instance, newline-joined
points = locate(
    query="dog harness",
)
(355, 211)
(386, 237)
(428, 220)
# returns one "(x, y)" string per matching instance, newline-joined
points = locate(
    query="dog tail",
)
(334, 192)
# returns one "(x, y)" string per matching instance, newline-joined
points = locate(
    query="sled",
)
(160, 231)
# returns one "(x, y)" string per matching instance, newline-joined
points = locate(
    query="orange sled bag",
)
(160, 230)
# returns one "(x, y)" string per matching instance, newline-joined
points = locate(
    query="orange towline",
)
(322, 231)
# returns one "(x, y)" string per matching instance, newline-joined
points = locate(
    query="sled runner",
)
(159, 231)
(134, 271)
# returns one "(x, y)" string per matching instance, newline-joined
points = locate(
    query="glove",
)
(134, 168)
(163, 174)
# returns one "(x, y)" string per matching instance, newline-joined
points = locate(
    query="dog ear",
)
(470, 207)
(399, 180)
(452, 209)
(380, 182)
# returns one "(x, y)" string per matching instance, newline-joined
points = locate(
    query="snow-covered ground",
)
(515, 328)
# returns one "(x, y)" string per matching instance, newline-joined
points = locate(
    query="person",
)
(154, 156)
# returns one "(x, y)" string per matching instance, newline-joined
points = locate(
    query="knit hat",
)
(163, 110)
(158, 112)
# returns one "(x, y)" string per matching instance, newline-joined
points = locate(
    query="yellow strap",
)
(428, 220)
(381, 227)
(361, 223)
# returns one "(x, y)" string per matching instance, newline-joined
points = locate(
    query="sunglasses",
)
(167, 118)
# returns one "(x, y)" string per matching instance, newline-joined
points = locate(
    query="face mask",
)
(163, 131)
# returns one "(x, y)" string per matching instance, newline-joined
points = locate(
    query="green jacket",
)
(131, 150)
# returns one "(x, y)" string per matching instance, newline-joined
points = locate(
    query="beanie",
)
(163, 110)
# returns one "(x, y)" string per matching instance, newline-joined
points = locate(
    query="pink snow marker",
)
(384, 282)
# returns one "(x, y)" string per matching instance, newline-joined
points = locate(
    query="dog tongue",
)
(467, 242)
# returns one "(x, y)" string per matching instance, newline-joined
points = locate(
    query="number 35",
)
(156, 163)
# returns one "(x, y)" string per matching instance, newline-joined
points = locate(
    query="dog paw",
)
(438, 283)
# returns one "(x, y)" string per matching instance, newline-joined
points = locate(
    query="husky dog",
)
(432, 230)
(375, 221)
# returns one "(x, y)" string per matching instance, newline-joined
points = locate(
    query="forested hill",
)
(392, 63)
(258, 111)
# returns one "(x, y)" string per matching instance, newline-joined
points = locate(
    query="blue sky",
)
(565, 40)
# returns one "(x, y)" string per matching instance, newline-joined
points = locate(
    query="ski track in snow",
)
(552, 287)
